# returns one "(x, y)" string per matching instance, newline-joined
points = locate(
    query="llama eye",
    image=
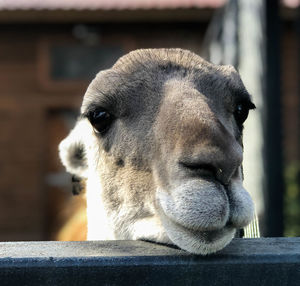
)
(241, 113)
(101, 120)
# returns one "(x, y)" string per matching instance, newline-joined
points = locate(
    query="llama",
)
(158, 144)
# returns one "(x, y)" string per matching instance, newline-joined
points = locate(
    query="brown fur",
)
(168, 167)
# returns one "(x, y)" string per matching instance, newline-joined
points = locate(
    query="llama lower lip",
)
(198, 242)
(199, 205)
(208, 235)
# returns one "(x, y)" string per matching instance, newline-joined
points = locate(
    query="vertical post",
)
(257, 57)
(252, 62)
(273, 127)
(298, 93)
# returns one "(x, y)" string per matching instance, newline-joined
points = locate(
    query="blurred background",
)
(50, 50)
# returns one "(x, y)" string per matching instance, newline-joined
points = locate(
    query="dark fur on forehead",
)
(149, 69)
(182, 63)
(149, 57)
(146, 71)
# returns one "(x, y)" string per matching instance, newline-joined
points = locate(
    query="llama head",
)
(159, 142)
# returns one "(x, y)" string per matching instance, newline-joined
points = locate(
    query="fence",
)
(264, 261)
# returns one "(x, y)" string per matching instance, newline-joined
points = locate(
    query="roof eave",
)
(101, 16)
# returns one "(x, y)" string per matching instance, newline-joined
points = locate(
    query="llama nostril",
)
(207, 171)
(201, 169)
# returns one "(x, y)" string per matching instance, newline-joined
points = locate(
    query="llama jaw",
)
(202, 220)
(197, 204)
(197, 242)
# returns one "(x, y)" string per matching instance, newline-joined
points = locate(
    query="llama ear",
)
(72, 152)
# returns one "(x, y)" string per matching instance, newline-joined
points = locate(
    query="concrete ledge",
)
(268, 261)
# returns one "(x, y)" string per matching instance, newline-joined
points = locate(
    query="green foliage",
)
(292, 200)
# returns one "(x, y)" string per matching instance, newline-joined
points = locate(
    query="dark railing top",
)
(265, 261)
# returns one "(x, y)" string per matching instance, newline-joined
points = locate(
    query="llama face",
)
(160, 137)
